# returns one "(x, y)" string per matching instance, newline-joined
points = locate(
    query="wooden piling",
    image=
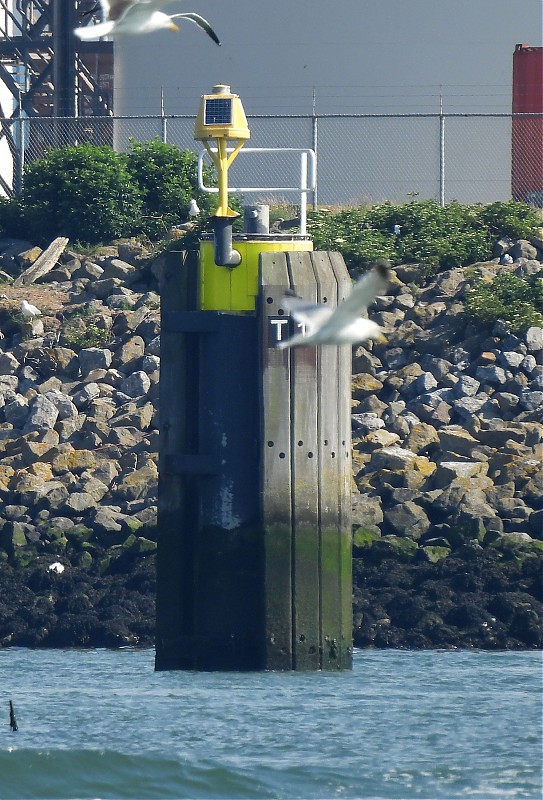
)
(305, 399)
(254, 547)
(177, 515)
(275, 468)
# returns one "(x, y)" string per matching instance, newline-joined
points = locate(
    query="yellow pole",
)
(222, 174)
(222, 162)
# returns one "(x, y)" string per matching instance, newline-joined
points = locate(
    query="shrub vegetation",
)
(515, 299)
(84, 192)
(166, 178)
(437, 237)
(93, 194)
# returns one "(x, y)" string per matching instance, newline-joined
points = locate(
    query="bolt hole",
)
(269, 300)
(281, 312)
(281, 455)
(310, 455)
(270, 444)
(300, 443)
(326, 442)
(333, 455)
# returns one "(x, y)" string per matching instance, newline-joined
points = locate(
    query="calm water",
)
(103, 724)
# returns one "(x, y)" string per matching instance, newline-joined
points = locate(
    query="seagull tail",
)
(94, 31)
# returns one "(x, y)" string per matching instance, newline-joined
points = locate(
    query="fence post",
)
(441, 154)
(163, 121)
(314, 147)
(18, 154)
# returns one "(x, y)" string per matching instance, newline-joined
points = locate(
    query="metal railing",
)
(361, 158)
(307, 172)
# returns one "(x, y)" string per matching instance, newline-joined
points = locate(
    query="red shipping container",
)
(527, 131)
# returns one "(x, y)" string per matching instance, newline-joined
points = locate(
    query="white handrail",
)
(307, 183)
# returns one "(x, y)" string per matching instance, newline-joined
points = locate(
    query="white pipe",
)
(303, 197)
(310, 171)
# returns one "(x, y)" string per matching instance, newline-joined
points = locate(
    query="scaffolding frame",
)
(45, 68)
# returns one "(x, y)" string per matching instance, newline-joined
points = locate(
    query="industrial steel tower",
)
(45, 71)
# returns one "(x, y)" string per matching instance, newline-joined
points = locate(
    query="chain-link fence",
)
(361, 158)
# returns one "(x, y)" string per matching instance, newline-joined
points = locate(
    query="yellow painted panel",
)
(235, 288)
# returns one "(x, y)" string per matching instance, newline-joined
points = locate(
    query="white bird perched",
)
(193, 208)
(57, 567)
(29, 311)
(139, 16)
(344, 324)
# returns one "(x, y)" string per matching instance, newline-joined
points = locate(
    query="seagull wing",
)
(201, 22)
(118, 8)
(29, 310)
(94, 31)
(349, 311)
(114, 9)
(311, 315)
(364, 292)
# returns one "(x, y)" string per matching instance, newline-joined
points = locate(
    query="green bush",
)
(167, 180)
(512, 219)
(93, 195)
(437, 237)
(349, 232)
(84, 192)
(514, 299)
(89, 336)
(440, 237)
(11, 218)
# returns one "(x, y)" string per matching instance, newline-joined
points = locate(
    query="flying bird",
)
(139, 16)
(29, 311)
(344, 324)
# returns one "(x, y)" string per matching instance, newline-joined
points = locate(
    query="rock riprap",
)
(447, 423)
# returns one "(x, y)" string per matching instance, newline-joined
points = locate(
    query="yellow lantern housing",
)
(221, 115)
(221, 118)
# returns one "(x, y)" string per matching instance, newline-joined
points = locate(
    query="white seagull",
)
(193, 208)
(29, 311)
(344, 324)
(57, 567)
(139, 16)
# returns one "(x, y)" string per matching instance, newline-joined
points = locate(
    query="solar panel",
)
(218, 111)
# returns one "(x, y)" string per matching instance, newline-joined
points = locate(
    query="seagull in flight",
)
(344, 324)
(139, 16)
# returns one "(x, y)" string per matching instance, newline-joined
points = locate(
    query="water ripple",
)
(402, 725)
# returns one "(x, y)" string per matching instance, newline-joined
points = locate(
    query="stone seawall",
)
(447, 438)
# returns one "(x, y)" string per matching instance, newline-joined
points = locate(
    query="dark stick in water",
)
(12, 721)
